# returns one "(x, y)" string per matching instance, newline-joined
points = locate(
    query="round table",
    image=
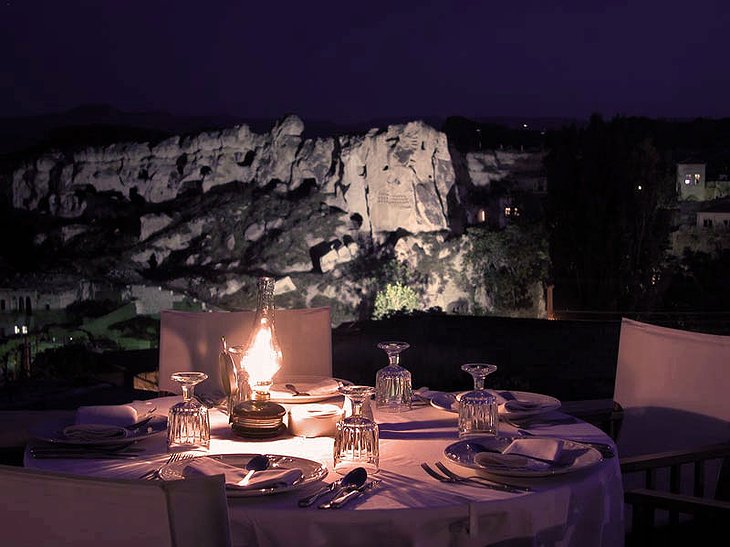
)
(581, 508)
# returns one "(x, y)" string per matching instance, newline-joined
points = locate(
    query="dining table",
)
(578, 507)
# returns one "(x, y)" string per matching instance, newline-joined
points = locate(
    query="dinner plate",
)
(463, 453)
(53, 433)
(279, 394)
(543, 403)
(311, 472)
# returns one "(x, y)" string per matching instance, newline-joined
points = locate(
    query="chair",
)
(192, 341)
(674, 440)
(45, 508)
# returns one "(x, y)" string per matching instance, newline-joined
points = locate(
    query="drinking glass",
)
(356, 437)
(393, 388)
(188, 425)
(478, 408)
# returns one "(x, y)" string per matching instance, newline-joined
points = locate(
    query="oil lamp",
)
(258, 361)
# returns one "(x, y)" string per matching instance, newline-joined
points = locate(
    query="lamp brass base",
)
(258, 419)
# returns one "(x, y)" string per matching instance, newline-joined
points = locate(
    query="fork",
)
(470, 481)
(482, 480)
(174, 457)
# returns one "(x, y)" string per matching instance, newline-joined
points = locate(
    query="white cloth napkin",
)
(117, 415)
(520, 405)
(532, 454)
(325, 386)
(93, 432)
(269, 478)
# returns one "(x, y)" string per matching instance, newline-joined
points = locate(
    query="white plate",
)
(311, 472)
(446, 401)
(463, 453)
(544, 403)
(301, 383)
(53, 433)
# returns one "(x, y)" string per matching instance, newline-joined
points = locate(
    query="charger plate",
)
(463, 453)
(311, 472)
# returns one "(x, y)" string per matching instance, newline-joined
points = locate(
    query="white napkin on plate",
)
(269, 478)
(324, 386)
(117, 415)
(532, 453)
(520, 405)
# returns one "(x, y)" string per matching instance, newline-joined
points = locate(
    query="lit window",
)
(515, 212)
(507, 211)
(482, 215)
(697, 178)
(639, 187)
(687, 179)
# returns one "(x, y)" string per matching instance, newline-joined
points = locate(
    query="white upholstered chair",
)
(673, 386)
(44, 508)
(192, 341)
(677, 381)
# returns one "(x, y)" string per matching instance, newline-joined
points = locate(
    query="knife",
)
(342, 499)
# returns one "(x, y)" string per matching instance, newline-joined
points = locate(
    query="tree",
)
(509, 263)
(608, 191)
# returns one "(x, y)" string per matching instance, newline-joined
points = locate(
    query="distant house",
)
(715, 216)
(693, 184)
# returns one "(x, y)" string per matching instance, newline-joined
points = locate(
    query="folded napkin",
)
(325, 386)
(93, 432)
(118, 415)
(269, 478)
(531, 454)
(520, 405)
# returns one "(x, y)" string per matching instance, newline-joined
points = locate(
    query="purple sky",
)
(347, 61)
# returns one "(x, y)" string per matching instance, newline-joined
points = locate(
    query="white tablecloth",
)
(582, 509)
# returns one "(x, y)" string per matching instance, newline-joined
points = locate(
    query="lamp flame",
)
(262, 359)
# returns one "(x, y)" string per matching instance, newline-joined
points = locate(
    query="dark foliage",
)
(609, 190)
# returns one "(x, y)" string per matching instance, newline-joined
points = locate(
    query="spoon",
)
(294, 390)
(258, 463)
(356, 476)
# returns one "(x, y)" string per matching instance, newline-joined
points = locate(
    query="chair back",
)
(192, 341)
(671, 368)
(672, 386)
(45, 508)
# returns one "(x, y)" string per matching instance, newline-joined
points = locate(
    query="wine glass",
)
(356, 438)
(188, 424)
(478, 408)
(393, 387)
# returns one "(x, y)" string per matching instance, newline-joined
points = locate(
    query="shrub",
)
(394, 298)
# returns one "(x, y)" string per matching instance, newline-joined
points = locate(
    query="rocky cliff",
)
(205, 214)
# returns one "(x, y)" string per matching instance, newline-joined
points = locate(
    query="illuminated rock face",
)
(391, 179)
(205, 215)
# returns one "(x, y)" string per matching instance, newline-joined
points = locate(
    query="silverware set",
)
(448, 476)
(352, 485)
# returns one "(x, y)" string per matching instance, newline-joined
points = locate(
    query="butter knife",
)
(350, 495)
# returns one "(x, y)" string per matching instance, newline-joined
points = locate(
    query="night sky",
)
(350, 61)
